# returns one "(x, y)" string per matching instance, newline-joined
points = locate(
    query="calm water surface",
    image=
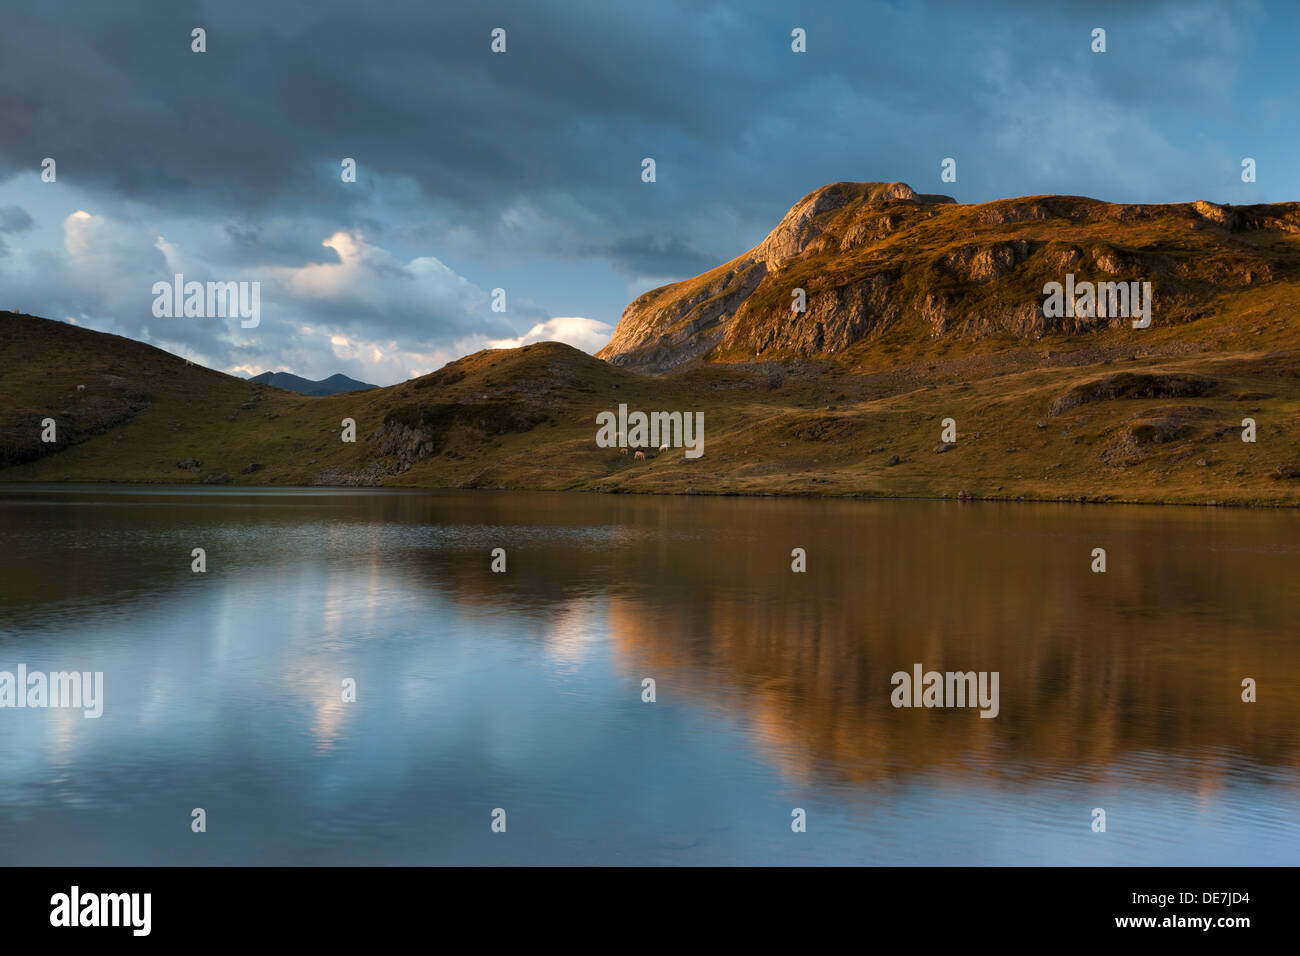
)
(523, 690)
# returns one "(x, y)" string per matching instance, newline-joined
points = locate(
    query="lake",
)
(523, 691)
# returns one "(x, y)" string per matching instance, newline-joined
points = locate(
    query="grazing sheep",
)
(640, 456)
(623, 451)
(81, 388)
(663, 448)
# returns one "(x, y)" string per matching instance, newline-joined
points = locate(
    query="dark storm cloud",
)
(583, 93)
(409, 89)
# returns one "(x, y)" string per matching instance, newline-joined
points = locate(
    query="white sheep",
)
(663, 448)
(640, 456)
(81, 388)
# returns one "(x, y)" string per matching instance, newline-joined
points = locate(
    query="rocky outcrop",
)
(412, 433)
(676, 324)
(400, 441)
(683, 329)
(1132, 385)
(1219, 215)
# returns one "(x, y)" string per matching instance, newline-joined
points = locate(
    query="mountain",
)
(880, 261)
(305, 386)
(919, 311)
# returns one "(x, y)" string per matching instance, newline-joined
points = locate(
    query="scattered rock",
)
(250, 468)
(190, 464)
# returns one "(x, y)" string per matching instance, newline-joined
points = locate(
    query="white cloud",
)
(590, 335)
(371, 315)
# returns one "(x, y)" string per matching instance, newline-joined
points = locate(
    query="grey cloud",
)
(656, 255)
(278, 243)
(14, 219)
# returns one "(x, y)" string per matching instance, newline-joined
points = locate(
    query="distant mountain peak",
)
(333, 385)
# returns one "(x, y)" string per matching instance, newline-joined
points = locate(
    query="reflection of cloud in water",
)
(330, 714)
(571, 631)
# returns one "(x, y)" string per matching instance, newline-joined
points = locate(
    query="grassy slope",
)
(789, 428)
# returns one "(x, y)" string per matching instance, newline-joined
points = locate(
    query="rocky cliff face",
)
(876, 258)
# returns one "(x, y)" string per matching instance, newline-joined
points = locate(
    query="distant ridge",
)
(305, 386)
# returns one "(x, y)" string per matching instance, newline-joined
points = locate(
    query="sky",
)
(522, 170)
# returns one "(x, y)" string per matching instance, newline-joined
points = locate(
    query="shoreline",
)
(687, 493)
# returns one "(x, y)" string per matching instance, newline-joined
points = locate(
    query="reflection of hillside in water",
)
(1135, 671)
(1138, 668)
